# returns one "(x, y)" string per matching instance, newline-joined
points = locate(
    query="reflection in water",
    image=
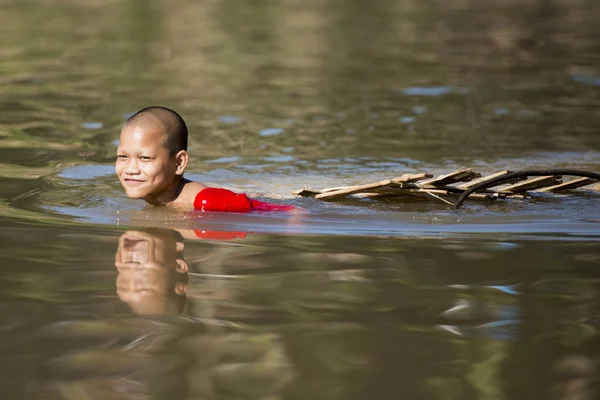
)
(160, 355)
(290, 317)
(152, 275)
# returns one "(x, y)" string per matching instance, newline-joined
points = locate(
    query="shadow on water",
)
(103, 298)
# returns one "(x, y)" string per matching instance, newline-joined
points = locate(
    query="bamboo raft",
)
(453, 188)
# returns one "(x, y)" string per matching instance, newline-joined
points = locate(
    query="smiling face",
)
(144, 166)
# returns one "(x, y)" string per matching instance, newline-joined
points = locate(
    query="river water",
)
(104, 298)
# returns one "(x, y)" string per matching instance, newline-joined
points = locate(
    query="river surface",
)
(102, 297)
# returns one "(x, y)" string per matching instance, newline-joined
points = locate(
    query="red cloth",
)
(219, 235)
(215, 199)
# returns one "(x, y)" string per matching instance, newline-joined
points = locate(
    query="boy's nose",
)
(132, 167)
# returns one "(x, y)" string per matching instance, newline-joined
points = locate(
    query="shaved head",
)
(168, 121)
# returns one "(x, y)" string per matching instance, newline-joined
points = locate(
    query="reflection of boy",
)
(152, 275)
(151, 158)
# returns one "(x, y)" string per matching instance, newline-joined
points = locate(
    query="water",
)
(105, 298)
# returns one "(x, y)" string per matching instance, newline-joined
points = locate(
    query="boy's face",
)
(144, 165)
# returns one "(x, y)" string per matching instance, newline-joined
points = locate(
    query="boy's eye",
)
(121, 157)
(145, 158)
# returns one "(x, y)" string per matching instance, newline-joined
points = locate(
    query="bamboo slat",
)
(460, 175)
(467, 185)
(441, 192)
(532, 184)
(346, 190)
(352, 189)
(411, 178)
(569, 185)
(333, 189)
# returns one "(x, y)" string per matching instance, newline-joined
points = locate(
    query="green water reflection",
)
(385, 79)
(263, 316)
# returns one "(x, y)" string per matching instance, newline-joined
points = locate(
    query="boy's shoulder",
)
(188, 194)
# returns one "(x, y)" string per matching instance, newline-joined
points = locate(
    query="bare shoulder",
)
(188, 194)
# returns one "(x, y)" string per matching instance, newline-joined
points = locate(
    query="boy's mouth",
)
(133, 182)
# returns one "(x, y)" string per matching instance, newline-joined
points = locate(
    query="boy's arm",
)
(216, 199)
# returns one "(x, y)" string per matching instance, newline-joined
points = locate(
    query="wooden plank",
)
(347, 190)
(308, 192)
(406, 178)
(460, 175)
(332, 189)
(569, 185)
(410, 178)
(478, 196)
(532, 184)
(331, 194)
(352, 189)
(442, 192)
(467, 185)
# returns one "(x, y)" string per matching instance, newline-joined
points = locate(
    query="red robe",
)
(215, 199)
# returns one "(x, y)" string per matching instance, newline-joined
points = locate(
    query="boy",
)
(151, 158)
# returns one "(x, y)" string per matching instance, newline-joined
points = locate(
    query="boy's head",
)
(170, 123)
(152, 153)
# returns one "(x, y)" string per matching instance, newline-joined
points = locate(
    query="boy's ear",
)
(182, 158)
